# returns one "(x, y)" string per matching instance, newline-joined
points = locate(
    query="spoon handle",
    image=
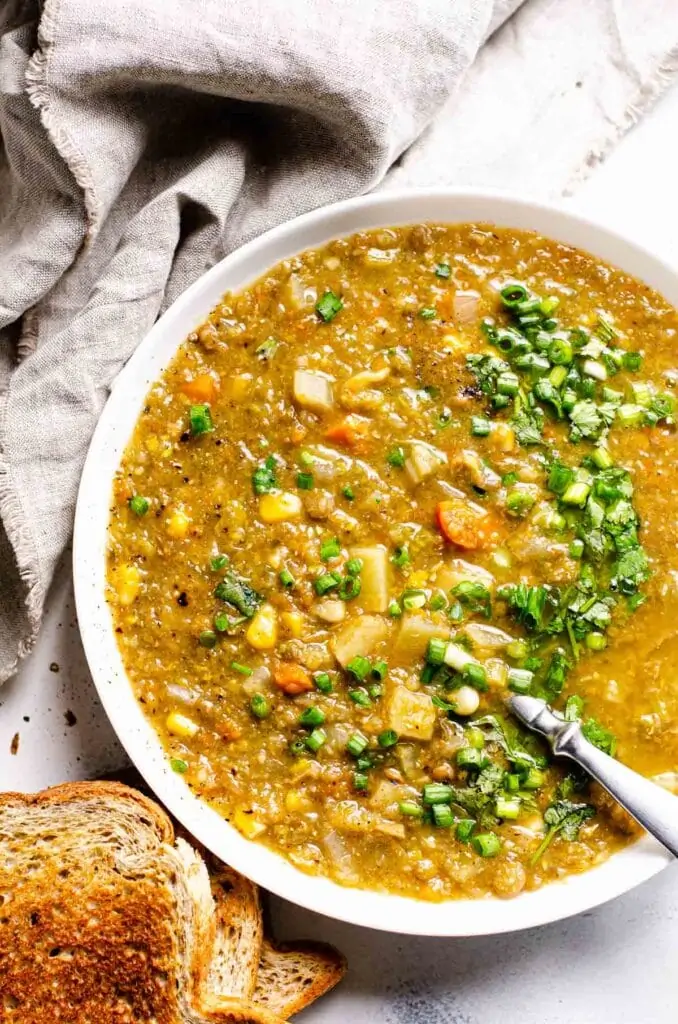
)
(653, 807)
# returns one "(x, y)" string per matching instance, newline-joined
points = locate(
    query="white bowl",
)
(622, 871)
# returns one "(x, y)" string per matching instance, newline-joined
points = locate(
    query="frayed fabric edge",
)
(39, 95)
(647, 96)
(21, 541)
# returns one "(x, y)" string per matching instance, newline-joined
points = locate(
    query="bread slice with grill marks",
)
(106, 918)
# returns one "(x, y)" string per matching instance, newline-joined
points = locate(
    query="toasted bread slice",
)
(294, 975)
(237, 946)
(102, 917)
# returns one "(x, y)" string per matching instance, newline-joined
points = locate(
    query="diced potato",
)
(239, 386)
(414, 634)
(330, 611)
(358, 636)
(412, 715)
(486, 637)
(178, 523)
(277, 508)
(424, 460)
(262, 632)
(374, 577)
(181, 725)
(377, 257)
(248, 824)
(312, 391)
(127, 581)
(459, 658)
(502, 437)
(458, 570)
(297, 802)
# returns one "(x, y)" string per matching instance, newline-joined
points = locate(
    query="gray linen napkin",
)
(143, 140)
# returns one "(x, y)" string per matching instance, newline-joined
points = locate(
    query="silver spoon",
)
(653, 807)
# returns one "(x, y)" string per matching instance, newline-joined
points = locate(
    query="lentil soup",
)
(392, 481)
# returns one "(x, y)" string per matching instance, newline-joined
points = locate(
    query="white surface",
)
(614, 965)
(378, 910)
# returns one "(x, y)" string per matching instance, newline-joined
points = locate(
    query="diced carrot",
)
(123, 489)
(201, 389)
(298, 433)
(350, 431)
(464, 524)
(292, 678)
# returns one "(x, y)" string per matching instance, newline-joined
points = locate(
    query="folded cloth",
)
(144, 139)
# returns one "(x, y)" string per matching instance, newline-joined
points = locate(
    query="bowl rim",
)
(557, 900)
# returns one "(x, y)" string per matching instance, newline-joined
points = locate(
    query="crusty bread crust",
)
(293, 975)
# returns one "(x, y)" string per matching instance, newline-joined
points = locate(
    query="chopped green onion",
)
(413, 599)
(427, 313)
(560, 352)
(359, 667)
(179, 766)
(263, 478)
(379, 669)
(435, 654)
(470, 758)
(286, 578)
(207, 638)
(200, 420)
(306, 459)
(520, 680)
(475, 738)
(508, 809)
(244, 670)
(517, 649)
(349, 588)
(348, 492)
(512, 295)
(437, 793)
(480, 427)
(576, 494)
(486, 844)
(443, 270)
(267, 349)
(360, 781)
(259, 706)
(315, 740)
(139, 505)
(518, 503)
(396, 457)
(323, 682)
(476, 676)
(305, 481)
(508, 384)
(354, 566)
(401, 557)
(410, 809)
(557, 376)
(632, 361)
(360, 697)
(328, 306)
(534, 779)
(442, 816)
(509, 479)
(438, 602)
(394, 609)
(605, 330)
(576, 548)
(356, 744)
(311, 717)
(222, 622)
(330, 549)
(630, 415)
(464, 829)
(323, 584)
(218, 562)
(387, 738)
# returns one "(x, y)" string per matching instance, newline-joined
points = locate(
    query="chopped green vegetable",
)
(179, 766)
(323, 682)
(218, 562)
(286, 578)
(207, 638)
(267, 350)
(305, 481)
(475, 596)
(396, 457)
(315, 740)
(264, 478)
(260, 706)
(401, 557)
(139, 505)
(562, 818)
(243, 670)
(442, 816)
(348, 492)
(443, 270)
(328, 306)
(486, 844)
(330, 549)
(387, 738)
(238, 593)
(428, 313)
(359, 667)
(599, 736)
(200, 420)
(329, 581)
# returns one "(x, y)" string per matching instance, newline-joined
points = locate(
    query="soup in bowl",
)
(381, 486)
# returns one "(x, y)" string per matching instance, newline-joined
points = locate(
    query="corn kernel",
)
(177, 525)
(127, 583)
(301, 767)
(247, 824)
(293, 623)
(417, 579)
(152, 443)
(276, 508)
(452, 343)
(181, 725)
(503, 437)
(262, 633)
(296, 801)
(240, 386)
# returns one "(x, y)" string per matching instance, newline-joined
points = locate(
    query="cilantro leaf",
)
(263, 478)
(527, 428)
(586, 420)
(236, 592)
(599, 736)
(565, 818)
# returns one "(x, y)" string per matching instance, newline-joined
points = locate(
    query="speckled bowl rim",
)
(577, 893)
